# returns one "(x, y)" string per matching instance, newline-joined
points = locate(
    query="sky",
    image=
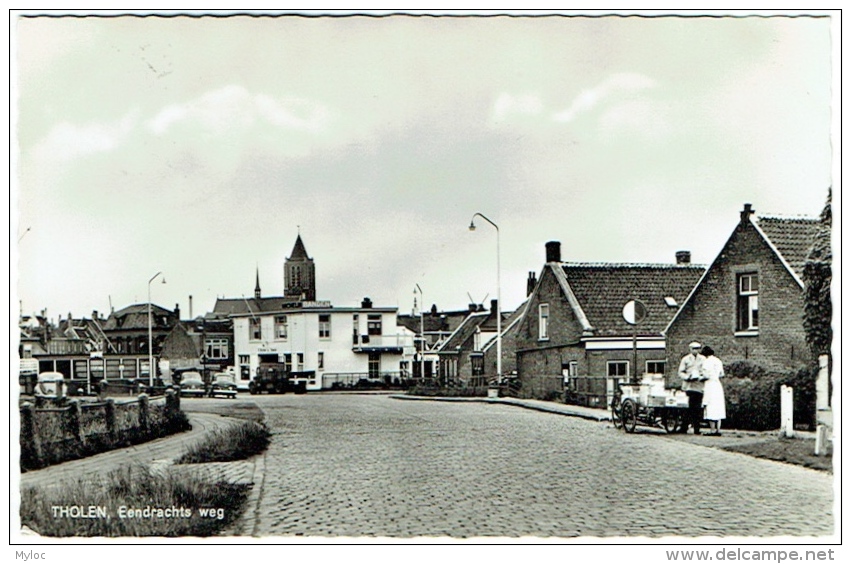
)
(201, 147)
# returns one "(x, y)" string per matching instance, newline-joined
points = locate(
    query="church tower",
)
(300, 274)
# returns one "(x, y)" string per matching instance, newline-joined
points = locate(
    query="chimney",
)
(531, 282)
(553, 251)
(366, 303)
(190, 307)
(494, 307)
(177, 311)
(683, 257)
(746, 213)
(434, 309)
(473, 308)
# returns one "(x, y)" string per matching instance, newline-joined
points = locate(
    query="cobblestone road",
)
(360, 466)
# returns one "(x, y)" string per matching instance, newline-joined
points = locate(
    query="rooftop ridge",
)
(788, 217)
(632, 265)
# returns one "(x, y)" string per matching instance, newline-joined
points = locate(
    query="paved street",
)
(353, 465)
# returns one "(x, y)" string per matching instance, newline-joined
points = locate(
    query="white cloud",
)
(219, 111)
(67, 141)
(590, 98)
(526, 104)
(234, 107)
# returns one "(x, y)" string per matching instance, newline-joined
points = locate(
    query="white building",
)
(329, 346)
(333, 346)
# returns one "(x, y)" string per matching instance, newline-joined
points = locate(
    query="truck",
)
(272, 378)
(276, 378)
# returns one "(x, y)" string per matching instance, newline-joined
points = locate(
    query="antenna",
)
(254, 317)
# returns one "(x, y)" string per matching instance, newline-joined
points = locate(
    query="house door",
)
(617, 373)
(374, 365)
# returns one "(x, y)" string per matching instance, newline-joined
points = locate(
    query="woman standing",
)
(713, 394)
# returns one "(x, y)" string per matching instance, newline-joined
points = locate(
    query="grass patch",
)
(133, 488)
(789, 450)
(236, 442)
(247, 410)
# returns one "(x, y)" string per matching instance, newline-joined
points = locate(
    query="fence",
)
(364, 380)
(69, 429)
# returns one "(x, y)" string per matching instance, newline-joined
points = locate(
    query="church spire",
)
(257, 284)
(300, 273)
(299, 252)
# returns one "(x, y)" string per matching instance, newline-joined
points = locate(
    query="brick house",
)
(572, 337)
(750, 302)
(463, 355)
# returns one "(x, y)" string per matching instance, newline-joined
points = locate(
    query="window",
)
(543, 322)
(618, 370)
(355, 327)
(478, 364)
(324, 325)
(299, 362)
(244, 367)
(373, 324)
(216, 349)
(288, 362)
(655, 367)
(320, 361)
(280, 326)
(254, 332)
(747, 303)
(568, 371)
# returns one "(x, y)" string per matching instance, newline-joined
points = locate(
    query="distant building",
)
(326, 346)
(127, 328)
(749, 304)
(462, 354)
(572, 338)
(436, 326)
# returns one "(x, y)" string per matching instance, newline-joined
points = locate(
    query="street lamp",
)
(422, 334)
(150, 334)
(498, 298)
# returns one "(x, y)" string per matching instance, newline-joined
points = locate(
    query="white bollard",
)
(787, 426)
(821, 440)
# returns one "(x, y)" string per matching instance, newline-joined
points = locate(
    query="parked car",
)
(223, 385)
(50, 385)
(192, 384)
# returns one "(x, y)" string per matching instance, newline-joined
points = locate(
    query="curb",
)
(555, 409)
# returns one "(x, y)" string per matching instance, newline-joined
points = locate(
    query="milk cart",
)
(649, 403)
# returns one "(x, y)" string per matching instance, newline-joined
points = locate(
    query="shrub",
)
(753, 396)
(433, 391)
(237, 442)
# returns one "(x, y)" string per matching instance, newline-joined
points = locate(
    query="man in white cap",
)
(693, 386)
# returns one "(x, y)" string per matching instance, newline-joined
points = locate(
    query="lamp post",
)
(498, 298)
(422, 334)
(150, 334)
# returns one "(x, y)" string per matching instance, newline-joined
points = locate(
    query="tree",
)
(818, 307)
